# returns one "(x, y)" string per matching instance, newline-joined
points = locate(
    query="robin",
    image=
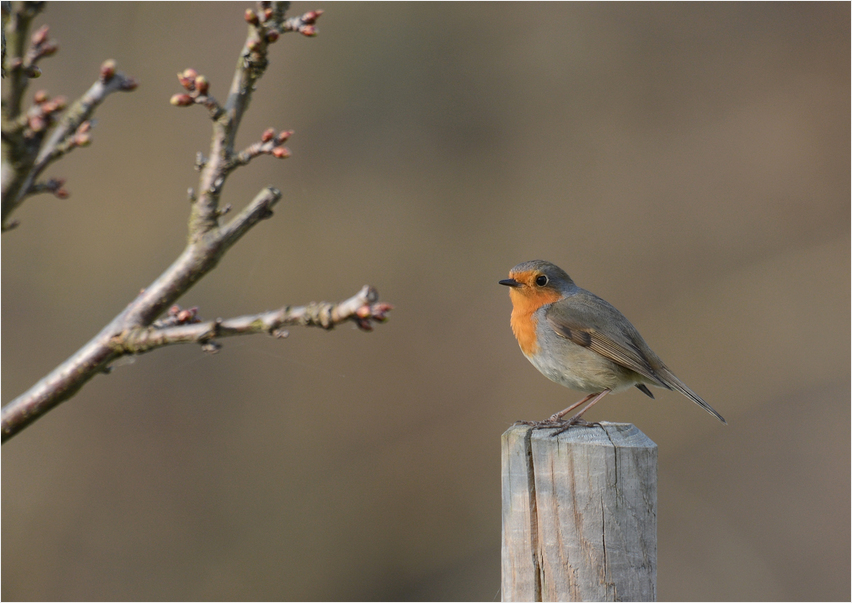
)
(581, 341)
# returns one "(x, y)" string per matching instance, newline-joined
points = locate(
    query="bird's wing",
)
(591, 322)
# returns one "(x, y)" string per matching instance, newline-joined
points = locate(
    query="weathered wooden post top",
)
(579, 514)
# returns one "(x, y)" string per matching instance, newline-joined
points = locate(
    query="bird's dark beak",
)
(510, 282)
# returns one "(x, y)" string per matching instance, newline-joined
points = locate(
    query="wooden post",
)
(579, 514)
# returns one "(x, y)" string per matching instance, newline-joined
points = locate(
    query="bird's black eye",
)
(541, 280)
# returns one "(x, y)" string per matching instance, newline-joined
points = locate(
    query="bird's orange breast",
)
(525, 302)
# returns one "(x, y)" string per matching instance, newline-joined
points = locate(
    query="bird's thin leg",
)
(557, 416)
(577, 420)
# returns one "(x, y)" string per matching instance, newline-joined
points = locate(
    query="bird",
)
(576, 339)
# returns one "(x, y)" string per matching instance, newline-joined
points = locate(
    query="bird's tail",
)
(676, 384)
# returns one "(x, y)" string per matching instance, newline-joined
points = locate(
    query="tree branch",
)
(119, 339)
(135, 330)
(27, 148)
(17, 17)
(362, 308)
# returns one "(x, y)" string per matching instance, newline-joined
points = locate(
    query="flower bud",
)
(181, 100)
(58, 103)
(129, 83)
(310, 17)
(40, 35)
(37, 123)
(107, 70)
(201, 84)
(187, 78)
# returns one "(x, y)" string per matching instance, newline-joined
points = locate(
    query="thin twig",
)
(67, 135)
(32, 139)
(362, 308)
(135, 330)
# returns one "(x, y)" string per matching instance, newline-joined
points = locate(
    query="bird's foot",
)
(561, 425)
(574, 421)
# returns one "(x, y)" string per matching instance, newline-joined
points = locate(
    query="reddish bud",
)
(33, 72)
(40, 35)
(173, 311)
(85, 127)
(55, 104)
(251, 17)
(40, 97)
(253, 44)
(181, 100)
(267, 135)
(281, 152)
(308, 30)
(187, 78)
(201, 84)
(62, 193)
(107, 70)
(49, 49)
(82, 139)
(284, 136)
(267, 14)
(129, 83)
(272, 35)
(37, 123)
(187, 315)
(309, 18)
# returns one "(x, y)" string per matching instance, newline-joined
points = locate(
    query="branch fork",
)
(137, 328)
(34, 139)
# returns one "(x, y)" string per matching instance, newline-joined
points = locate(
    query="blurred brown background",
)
(688, 163)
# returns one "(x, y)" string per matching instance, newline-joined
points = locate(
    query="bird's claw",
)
(561, 425)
